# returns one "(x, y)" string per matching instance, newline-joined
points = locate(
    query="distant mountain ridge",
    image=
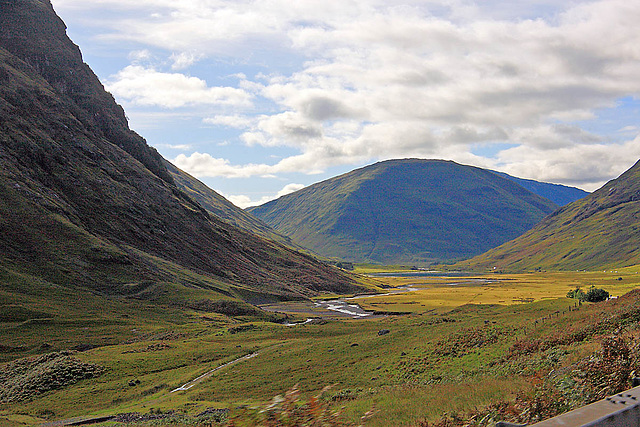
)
(559, 194)
(406, 211)
(85, 203)
(601, 230)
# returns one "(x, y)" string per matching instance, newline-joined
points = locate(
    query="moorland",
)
(513, 347)
(132, 294)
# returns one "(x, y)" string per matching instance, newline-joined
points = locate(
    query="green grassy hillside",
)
(600, 231)
(401, 211)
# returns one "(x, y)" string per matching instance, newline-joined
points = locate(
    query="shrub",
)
(610, 370)
(291, 410)
(576, 293)
(596, 295)
(592, 295)
(26, 378)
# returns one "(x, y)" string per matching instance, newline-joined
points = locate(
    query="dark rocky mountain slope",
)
(85, 203)
(220, 207)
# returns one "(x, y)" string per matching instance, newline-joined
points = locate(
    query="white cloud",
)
(148, 87)
(235, 121)
(184, 60)
(243, 201)
(204, 165)
(174, 146)
(290, 188)
(627, 129)
(587, 167)
(140, 56)
(240, 200)
(290, 127)
(396, 79)
(553, 137)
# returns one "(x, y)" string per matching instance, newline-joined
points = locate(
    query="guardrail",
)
(621, 410)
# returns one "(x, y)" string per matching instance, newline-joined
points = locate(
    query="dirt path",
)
(94, 420)
(206, 375)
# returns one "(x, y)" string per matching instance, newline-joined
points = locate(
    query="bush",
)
(26, 378)
(592, 295)
(576, 293)
(291, 410)
(596, 295)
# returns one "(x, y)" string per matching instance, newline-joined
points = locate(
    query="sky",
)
(259, 98)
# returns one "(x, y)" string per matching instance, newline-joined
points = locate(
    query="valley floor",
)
(473, 348)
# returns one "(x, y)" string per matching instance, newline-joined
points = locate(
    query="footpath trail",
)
(77, 421)
(87, 420)
(206, 375)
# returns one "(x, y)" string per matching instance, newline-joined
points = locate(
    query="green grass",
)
(390, 368)
(397, 406)
(458, 351)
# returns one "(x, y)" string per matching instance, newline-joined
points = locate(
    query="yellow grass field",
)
(441, 294)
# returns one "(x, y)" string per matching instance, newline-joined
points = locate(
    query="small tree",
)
(592, 295)
(596, 294)
(576, 293)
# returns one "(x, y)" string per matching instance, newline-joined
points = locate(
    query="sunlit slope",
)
(86, 203)
(408, 210)
(600, 231)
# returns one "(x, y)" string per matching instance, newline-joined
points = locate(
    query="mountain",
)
(412, 210)
(217, 205)
(601, 230)
(86, 204)
(559, 194)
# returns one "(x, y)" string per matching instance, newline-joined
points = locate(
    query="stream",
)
(347, 307)
(344, 305)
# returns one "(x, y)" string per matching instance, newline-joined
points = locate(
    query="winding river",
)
(346, 307)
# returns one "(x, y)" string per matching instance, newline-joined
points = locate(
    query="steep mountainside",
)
(85, 203)
(409, 210)
(221, 207)
(600, 231)
(559, 194)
